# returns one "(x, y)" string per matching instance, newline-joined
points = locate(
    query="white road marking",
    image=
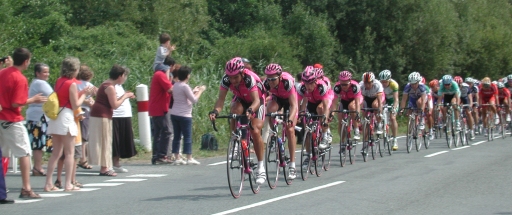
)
(437, 153)
(219, 163)
(86, 173)
(102, 184)
(44, 195)
(87, 189)
(483, 141)
(126, 180)
(26, 201)
(147, 175)
(461, 148)
(278, 198)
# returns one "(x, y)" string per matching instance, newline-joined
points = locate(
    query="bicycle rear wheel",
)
(305, 168)
(272, 161)
(235, 168)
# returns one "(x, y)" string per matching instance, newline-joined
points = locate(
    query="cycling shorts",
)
(281, 103)
(464, 100)
(258, 113)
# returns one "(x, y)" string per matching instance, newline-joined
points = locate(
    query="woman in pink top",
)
(64, 129)
(181, 115)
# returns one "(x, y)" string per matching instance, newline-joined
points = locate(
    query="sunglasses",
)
(344, 85)
(447, 84)
(273, 79)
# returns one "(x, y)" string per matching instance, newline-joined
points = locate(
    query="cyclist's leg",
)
(236, 108)
(428, 113)
(375, 104)
(419, 103)
(290, 135)
(272, 106)
(355, 121)
(455, 106)
(257, 139)
(326, 133)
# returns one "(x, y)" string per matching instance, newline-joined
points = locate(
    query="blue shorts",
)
(412, 103)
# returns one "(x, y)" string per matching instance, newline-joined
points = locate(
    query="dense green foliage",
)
(434, 37)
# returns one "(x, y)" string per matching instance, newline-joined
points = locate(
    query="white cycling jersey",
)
(371, 93)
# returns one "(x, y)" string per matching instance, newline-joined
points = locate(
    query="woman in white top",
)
(36, 120)
(122, 131)
(181, 115)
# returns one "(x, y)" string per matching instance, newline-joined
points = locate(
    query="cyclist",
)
(504, 97)
(319, 71)
(373, 97)
(429, 107)
(474, 97)
(434, 88)
(415, 96)
(466, 99)
(508, 82)
(283, 96)
(317, 99)
(391, 92)
(449, 92)
(248, 99)
(487, 95)
(348, 92)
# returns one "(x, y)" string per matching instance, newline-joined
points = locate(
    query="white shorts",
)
(14, 139)
(64, 123)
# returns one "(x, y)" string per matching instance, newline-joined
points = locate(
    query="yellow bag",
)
(51, 106)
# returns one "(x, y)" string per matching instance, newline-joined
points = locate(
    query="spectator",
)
(174, 78)
(159, 100)
(13, 134)
(122, 132)
(100, 136)
(181, 115)
(85, 76)
(3, 189)
(165, 49)
(64, 129)
(37, 122)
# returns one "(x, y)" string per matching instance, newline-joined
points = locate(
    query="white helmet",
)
(414, 77)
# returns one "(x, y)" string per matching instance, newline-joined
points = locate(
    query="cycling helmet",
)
(273, 69)
(494, 82)
(234, 66)
(447, 79)
(505, 80)
(385, 75)
(469, 80)
(308, 75)
(509, 77)
(319, 66)
(319, 72)
(486, 81)
(368, 77)
(501, 85)
(458, 79)
(433, 83)
(345, 76)
(414, 77)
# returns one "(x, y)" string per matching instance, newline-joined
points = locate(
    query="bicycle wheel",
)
(502, 126)
(326, 158)
(410, 135)
(235, 168)
(352, 149)
(377, 141)
(448, 133)
(426, 139)
(463, 133)
(419, 139)
(255, 187)
(386, 142)
(456, 136)
(317, 157)
(366, 134)
(305, 168)
(344, 141)
(272, 161)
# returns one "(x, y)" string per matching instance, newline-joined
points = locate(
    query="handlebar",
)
(229, 116)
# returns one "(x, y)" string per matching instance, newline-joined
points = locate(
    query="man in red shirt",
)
(159, 98)
(13, 134)
(487, 95)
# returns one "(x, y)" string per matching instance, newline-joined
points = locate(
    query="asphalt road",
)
(469, 180)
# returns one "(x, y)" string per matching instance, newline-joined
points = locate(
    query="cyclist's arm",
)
(255, 100)
(379, 100)
(405, 96)
(358, 104)
(220, 101)
(293, 106)
(334, 105)
(395, 97)
(325, 102)
(423, 101)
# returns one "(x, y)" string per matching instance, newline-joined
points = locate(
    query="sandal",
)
(75, 188)
(84, 165)
(108, 173)
(77, 184)
(36, 172)
(58, 184)
(54, 188)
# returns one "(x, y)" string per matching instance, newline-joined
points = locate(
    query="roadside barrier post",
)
(142, 109)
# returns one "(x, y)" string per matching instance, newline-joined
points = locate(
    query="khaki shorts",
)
(14, 139)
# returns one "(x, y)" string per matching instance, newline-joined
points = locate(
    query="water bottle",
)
(281, 145)
(244, 148)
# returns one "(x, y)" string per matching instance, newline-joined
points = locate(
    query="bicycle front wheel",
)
(426, 139)
(305, 161)
(317, 156)
(448, 133)
(410, 135)
(255, 187)
(366, 141)
(272, 161)
(235, 168)
(343, 145)
(419, 140)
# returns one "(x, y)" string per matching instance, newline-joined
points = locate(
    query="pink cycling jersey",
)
(250, 82)
(321, 92)
(353, 91)
(285, 89)
(327, 81)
